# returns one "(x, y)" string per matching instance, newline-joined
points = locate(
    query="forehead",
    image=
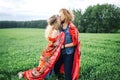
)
(61, 13)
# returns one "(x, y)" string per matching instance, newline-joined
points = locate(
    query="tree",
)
(101, 18)
(77, 18)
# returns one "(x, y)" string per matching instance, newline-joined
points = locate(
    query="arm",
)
(74, 33)
(53, 36)
(68, 45)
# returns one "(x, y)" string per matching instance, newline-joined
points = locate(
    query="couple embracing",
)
(62, 54)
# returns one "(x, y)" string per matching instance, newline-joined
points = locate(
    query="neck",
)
(65, 25)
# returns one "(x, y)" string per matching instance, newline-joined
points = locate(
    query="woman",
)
(50, 54)
(70, 53)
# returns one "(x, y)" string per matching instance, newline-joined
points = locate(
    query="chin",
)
(62, 22)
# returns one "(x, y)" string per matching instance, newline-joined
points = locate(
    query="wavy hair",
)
(52, 24)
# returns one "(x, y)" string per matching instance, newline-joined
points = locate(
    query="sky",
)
(26, 10)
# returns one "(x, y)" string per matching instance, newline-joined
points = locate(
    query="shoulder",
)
(54, 34)
(72, 27)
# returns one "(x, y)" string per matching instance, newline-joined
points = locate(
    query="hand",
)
(63, 46)
(20, 75)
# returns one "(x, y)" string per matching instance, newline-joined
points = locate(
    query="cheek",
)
(62, 18)
(59, 21)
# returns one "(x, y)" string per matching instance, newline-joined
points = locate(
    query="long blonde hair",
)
(69, 16)
(52, 24)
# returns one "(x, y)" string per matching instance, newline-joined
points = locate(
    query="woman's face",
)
(62, 17)
(58, 20)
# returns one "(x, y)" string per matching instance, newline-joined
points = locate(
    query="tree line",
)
(103, 18)
(23, 24)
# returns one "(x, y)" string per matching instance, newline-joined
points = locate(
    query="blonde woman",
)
(50, 54)
(70, 53)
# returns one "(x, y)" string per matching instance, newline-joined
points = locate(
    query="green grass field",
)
(20, 50)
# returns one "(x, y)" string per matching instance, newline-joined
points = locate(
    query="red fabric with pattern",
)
(76, 63)
(53, 52)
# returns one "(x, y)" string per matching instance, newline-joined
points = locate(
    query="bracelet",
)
(64, 45)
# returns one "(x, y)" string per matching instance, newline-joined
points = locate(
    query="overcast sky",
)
(22, 10)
